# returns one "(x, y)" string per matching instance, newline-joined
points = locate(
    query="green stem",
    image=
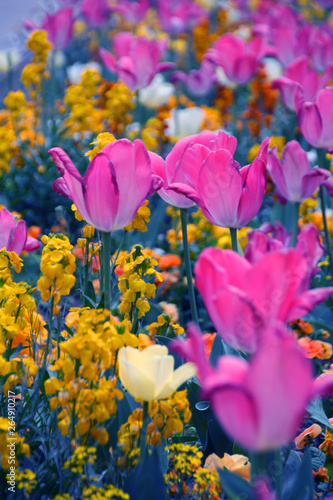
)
(143, 433)
(234, 242)
(190, 287)
(321, 164)
(259, 465)
(278, 473)
(295, 224)
(106, 270)
(85, 274)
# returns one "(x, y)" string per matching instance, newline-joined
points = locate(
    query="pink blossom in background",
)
(242, 299)
(293, 177)
(59, 27)
(133, 12)
(229, 196)
(178, 16)
(197, 81)
(250, 398)
(290, 41)
(321, 47)
(14, 235)
(115, 185)
(300, 78)
(95, 12)
(238, 58)
(315, 118)
(138, 59)
(175, 170)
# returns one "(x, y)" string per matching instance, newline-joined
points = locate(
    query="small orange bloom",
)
(239, 464)
(311, 432)
(169, 261)
(35, 231)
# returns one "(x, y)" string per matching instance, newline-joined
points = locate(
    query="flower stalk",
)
(187, 259)
(106, 246)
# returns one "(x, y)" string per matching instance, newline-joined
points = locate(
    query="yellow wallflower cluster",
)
(153, 133)
(86, 396)
(16, 103)
(185, 459)
(26, 479)
(207, 485)
(278, 141)
(311, 213)
(119, 103)
(21, 448)
(165, 326)
(108, 492)
(81, 456)
(58, 266)
(140, 220)
(138, 269)
(101, 141)
(8, 145)
(34, 73)
(167, 416)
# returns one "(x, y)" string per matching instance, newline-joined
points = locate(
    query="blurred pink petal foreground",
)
(14, 235)
(242, 299)
(114, 187)
(229, 196)
(295, 180)
(250, 398)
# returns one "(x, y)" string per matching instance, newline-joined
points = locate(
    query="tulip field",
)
(166, 260)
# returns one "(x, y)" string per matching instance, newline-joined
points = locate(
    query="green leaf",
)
(235, 486)
(303, 488)
(316, 410)
(290, 471)
(146, 481)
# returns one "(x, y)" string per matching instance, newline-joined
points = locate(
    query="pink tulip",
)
(133, 12)
(259, 403)
(174, 170)
(321, 48)
(260, 243)
(294, 179)
(14, 235)
(300, 78)
(243, 299)
(138, 60)
(290, 41)
(228, 195)
(114, 187)
(315, 119)
(177, 16)
(95, 13)
(198, 81)
(238, 58)
(59, 27)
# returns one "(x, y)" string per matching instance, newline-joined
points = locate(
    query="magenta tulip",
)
(198, 81)
(59, 27)
(133, 12)
(300, 78)
(14, 235)
(95, 13)
(178, 16)
(250, 398)
(243, 299)
(173, 170)
(294, 179)
(315, 119)
(114, 187)
(238, 58)
(228, 195)
(138, 59)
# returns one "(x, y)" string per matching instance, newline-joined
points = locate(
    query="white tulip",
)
(157, 93)
(75, 71)
(150, 374)
(184, 122)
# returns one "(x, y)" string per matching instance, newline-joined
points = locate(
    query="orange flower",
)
(144, 341)
(34, 231)
(239, 464)
(316, 348)
(169, 261)
(170, 310)
(208, 339)
(321, 475)
(311, 432)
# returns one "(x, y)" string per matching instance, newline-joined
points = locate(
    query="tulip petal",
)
(108, 60)
(325, 106)
(312, 180)
(18, 238)
(136, 383)
(180, 376)
(295, 166)
(276, 172)
(310, 123)
(7, 226)
(72, 177)
(31, 244)
(220, 188)
(323, 385)
(307, 301)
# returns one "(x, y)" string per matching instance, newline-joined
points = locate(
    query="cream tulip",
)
(150, 374)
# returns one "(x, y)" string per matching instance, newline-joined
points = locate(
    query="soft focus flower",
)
(76, 71)
(295, 180)
(238, 58)
(133, 12)
(300, 79)
(229, 196)
(177, 16)
(314, 118)
(184, 122)
(157, 93)
(238, 464)
(242, 299)
(311, 432)
(149, 374)
(138, 59)
(198, 81)
(59, 27)
(14, 235)
(250, 398)
(95, 14)
(115, 185)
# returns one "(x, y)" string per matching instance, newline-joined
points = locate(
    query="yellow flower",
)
(149, 374)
